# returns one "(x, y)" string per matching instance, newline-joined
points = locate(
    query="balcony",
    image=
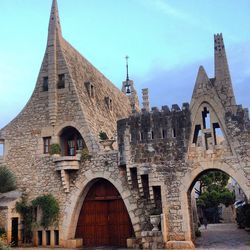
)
(67, 162)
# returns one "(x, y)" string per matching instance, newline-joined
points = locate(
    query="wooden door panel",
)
(104, 219)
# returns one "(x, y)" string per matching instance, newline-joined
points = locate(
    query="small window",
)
(1, 149)
(141, 136)
(56, 237)
(163, 133)
(39, 238)
(152, 135)
(45, 83)
(109, 103)
(46, 144)
(173, 132)
(90, 89)
(48, 238)
(61, 81)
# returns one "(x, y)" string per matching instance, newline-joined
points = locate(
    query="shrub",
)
(7, 180)
(55, 149)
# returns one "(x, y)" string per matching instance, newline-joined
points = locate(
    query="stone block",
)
(73, 243)
(180, 245)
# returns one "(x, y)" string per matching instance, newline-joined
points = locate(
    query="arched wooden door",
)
(104, 220)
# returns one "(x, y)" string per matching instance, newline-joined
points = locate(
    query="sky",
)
(166, 41)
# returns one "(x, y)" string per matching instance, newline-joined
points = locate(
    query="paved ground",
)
(223, 237)
(215, 237)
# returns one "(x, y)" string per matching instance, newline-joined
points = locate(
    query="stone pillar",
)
(145, 98)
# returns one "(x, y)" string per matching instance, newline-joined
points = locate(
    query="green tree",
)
(7, 180)
(213, 190)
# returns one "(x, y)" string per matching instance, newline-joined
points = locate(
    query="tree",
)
(213, 192)
(7, 180)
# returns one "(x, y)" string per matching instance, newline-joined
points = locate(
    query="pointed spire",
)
(202, 83)
(223, 82)
(54, 23)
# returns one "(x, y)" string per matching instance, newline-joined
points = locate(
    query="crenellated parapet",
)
(159, 133)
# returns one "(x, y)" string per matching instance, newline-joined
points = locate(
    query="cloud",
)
(171, 86)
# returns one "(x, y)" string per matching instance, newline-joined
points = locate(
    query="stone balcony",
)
(67, 162)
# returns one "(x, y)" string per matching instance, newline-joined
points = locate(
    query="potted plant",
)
(103, 136)
(105, 141)
(55, 149)
(155, 219)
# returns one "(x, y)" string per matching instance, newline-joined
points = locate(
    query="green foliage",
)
(49, 207)
(213, 190)
(55, 149)
(213, 180)
(7, 180)
(103, 136)
(197, 233)
(2, 231)
(26, 211)
(243, 216)
(85, 154)
(4, 245)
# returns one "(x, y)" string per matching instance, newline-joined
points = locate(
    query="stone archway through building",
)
(103, 219)
(199, 217)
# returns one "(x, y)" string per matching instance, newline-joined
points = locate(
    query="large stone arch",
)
(190, 176)
(76, 197)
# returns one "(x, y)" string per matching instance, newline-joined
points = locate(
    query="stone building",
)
(155, 161)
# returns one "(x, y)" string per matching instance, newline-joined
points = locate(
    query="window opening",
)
(1, 149)
(61, 81)
(206, 118)
(197, 131)
(71, 141)
(145, 185)
(109, 103)
(56, 237)
(152, 135)
(48, 238)
(46, 144)
(39, 238)
(45, 83)
(174, 132)
(133, 173)
(218, 135)
(157, 196)
(207, 140)
(141, 136)
(163, 133)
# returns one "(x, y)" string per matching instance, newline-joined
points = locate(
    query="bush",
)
(55, 149)
(7, 180)
(243, 216)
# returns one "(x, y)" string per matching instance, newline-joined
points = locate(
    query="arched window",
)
(71, 141)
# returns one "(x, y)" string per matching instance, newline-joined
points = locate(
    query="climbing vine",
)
(50, 209)
(50, 213)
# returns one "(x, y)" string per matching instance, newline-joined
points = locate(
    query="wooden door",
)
(104, 220)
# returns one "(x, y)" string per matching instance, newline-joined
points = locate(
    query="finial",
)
(127, 67)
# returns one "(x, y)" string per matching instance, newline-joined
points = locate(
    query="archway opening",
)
(71, 141)
(216, 202)
(103, 219)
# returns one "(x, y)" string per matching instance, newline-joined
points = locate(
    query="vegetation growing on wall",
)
(7, 180)
(50, 213)
(50, 209)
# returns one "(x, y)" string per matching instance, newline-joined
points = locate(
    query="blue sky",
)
(166, 41)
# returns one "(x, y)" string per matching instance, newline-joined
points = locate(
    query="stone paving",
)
(223, 237)
(215, 237)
